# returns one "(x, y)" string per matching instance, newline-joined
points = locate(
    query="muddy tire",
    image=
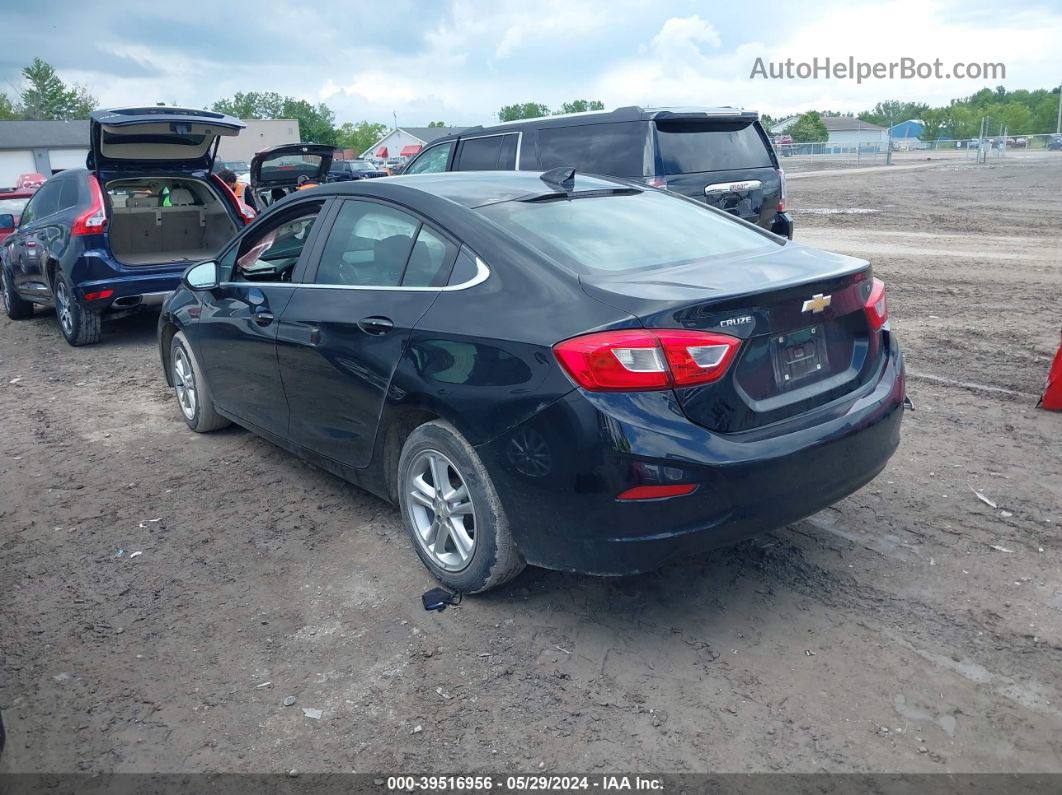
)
(194, 397)
(17, 308)
(452, 512)
(80, 326)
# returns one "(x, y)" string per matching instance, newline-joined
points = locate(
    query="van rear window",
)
(616, 149)
(688, 147)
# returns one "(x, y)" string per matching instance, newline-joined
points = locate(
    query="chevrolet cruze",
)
(562, 370)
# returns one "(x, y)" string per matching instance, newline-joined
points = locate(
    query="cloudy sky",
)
(459, 60)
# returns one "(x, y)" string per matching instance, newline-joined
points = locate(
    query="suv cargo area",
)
(162, 220)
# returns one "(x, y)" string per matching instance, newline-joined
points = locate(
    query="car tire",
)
(194, 398)
(17, 308)
(80, 326)
(461, 534)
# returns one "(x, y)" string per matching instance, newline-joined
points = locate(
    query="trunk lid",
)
(156, 139)
(725, 161)
(806, 337)
(282, 166)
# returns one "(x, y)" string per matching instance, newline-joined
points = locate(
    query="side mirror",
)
(7, 221)
(203, 276)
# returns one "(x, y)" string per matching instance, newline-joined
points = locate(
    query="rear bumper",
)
(561, 502)
(783, 225)
(143, 286)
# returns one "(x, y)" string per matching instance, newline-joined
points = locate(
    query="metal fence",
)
(816, 156)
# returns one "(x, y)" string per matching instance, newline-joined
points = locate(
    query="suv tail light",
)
(94, 220)
(246, 212)
(641, 359)
(782, 195)
(877, 306)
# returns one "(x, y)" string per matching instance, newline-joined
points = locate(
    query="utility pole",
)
(394, 116)
(1058, 124)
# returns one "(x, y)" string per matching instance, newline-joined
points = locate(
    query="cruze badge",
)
(736, 321)
(816, 303)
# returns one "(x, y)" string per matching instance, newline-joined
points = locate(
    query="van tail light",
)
(877, 306)
(94, 220)
(646, 359)
(656, 182)
(782, 194)
(246, 212)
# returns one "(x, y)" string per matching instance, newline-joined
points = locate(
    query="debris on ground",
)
(982, 497)
(136, 554)
(998, 548)
(310, 712)
(289, 701)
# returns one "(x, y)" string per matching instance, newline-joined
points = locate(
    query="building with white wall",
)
(259, 134)
(844, 134)
(404, 142)
(43, 147)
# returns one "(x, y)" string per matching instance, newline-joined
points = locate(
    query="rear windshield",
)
(618, 233)
(690, 147)
(615, 149)
(290, 168)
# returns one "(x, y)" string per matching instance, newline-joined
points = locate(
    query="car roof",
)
(628, 113)
(472, 188)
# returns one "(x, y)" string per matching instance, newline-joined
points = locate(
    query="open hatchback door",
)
(157, 139)
(279, 170)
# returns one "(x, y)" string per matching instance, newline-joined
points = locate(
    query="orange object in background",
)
(1052, 397)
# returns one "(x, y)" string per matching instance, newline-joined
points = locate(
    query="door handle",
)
(376, 326)
(263, 317)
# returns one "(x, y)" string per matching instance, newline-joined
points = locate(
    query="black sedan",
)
(569, 371)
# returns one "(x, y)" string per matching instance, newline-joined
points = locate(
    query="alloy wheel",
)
(440, 507)
(62, 308)
(184, 383)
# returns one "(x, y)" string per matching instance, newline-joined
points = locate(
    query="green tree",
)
(580, 106)
(808, 128)
(894, 111)
(316, 122)
(525, 110)
(360, 136)
(8, 109)
(45, 96)
(436, 124)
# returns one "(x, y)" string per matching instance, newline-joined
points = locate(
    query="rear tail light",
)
(782, 195)
(246, 212)
(99, 295)
(656, 182)
(877, 306)
(94, 220)
(640, 360)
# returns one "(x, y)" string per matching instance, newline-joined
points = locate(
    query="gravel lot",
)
(912, 627)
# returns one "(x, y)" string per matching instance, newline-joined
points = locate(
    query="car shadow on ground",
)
(132, 331)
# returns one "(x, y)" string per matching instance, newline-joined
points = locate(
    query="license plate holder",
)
(798, 356)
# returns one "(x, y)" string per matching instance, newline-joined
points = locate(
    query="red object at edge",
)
(1052, 398)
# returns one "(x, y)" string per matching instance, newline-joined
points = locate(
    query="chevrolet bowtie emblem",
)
(816, 303)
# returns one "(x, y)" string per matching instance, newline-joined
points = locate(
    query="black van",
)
(721, 156)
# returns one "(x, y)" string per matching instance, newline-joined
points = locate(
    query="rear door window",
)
(46, 200)
(368, 246)
(614, 149)
(431, 161)
(688, 147)
(487, 153)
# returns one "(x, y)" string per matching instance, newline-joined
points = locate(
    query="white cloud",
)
(1026, 41)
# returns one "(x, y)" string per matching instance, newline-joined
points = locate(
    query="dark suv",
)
(116, 237)
(346, 170)
(719, 156)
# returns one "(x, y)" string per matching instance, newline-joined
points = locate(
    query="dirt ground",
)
(912, 627)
